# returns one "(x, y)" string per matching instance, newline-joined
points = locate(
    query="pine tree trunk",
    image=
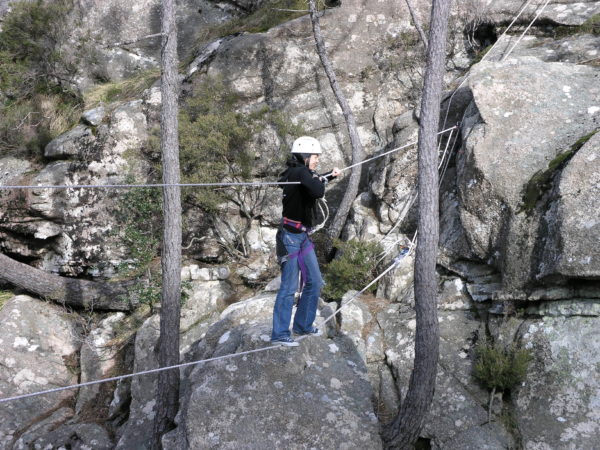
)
(357, 151)
(404, 430)
(90, 295)
(168, 381)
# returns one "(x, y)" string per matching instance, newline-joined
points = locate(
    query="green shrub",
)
(499, 367)
(354, 269)
(214, 138)
(139, 215)
(36, 99)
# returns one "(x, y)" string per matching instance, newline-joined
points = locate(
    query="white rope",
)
(154, 185)
(192, 363)
(391, 151)
(526, 30)
(324, 208)
(488, 53)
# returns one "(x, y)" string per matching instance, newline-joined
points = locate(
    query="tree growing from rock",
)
(357, 150)
(404, 430)
(167, 402)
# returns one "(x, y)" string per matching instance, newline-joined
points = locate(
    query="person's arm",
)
(313, 184)
(331, 175)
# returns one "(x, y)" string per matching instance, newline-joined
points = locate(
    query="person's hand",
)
(336, 172)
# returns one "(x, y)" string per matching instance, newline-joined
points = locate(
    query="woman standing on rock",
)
(295, 250)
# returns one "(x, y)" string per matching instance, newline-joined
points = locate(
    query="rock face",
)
(75, 231)
(39, 350)
(247, 401)
(536, 123)
(559, 406)
(572, 248)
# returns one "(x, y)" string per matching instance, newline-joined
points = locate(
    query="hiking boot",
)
(314, 332)
(285, 341)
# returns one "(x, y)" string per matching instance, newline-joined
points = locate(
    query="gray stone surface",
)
(559, 405)
(247, 402)
(94, 116)
(512, 136)
(75, 142)
(572, 248)
(197, 314)
(97, 358)
(566, 12)
(38, 351)
(81, 436)
(79, 227)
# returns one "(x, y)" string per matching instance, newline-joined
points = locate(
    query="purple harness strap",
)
(300, 255)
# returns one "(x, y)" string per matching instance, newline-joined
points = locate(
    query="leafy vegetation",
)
(139, 214)
(500, 367)
(36, 99)
(354, 269)
(214, 140)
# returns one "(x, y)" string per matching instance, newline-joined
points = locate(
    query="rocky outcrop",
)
(559, 405)
(516, 140)
(72, 231)
(40, 346)
(325, 381)
(198, 312)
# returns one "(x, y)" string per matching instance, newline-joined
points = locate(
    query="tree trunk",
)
(357, 150)
(66, 291)
(417, 23)
(168, 380)
(406, 426)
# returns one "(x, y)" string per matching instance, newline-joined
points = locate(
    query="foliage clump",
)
(139, 214)
(214, 144)
(37, 102)
(500, 368)
(353, 270)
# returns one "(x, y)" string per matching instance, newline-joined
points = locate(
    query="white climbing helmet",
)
(308, 145)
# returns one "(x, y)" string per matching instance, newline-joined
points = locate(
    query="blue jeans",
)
(309, 300)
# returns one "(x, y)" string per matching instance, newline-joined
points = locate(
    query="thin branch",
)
(417, 24)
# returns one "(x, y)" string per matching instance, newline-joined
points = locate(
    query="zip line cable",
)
(202, 361)
(154, 185)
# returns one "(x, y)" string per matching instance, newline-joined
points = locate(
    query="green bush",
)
(36, 99)
(214, 138)
(354, 269)
(500, 367)
(139, 215)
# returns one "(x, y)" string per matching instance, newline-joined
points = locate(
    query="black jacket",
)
(299, 200)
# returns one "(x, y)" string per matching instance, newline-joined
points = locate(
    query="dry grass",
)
(125, 90)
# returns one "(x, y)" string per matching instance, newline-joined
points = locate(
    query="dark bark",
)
(168, 348)
(357, 151)
(76, 293)
(417, 24)
(404, 430)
